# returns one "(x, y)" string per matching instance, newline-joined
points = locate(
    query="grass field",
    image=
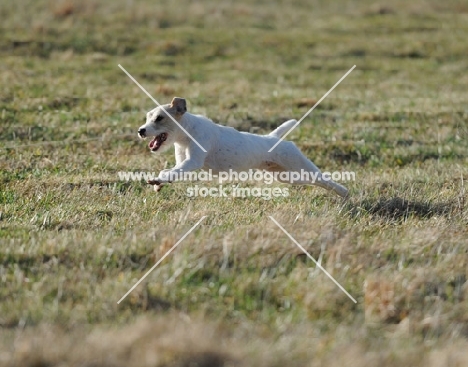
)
(237, 291)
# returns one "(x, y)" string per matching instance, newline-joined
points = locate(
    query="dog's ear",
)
(179, 104)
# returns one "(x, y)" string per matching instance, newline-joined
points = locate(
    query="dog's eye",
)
(159, 118)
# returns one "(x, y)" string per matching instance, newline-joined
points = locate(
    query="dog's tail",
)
(283, 129)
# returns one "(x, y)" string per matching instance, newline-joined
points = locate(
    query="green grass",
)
(74, 239)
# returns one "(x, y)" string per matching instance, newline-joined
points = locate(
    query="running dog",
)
(226, 148)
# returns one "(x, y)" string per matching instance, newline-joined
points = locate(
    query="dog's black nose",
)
(141, 132)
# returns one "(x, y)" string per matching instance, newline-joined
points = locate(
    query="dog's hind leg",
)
(301, 171)
(317, 180)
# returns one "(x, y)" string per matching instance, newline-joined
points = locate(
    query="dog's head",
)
(161, 127)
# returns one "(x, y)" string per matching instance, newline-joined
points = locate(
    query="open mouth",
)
(157, 141)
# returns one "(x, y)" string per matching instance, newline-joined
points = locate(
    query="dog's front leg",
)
(177, 172)
(192, 163)
(194, 159)
(174, 174)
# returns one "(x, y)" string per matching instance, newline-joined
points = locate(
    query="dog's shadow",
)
(397, 208)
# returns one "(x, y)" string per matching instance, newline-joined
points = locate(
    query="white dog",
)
(226, 148)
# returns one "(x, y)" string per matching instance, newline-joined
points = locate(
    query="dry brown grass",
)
(180, 340)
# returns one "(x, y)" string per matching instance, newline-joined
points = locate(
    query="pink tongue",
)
(152, 142)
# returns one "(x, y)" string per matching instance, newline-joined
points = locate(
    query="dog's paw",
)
(157, 188)
(164, 176)
(157, 185)
(342, 191)
(154, 182)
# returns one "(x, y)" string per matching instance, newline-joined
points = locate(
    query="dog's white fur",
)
(226, 147)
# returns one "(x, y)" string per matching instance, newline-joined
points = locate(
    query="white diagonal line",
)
(162, 258)
(310, 257)
(313, 107)
(151, 97)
